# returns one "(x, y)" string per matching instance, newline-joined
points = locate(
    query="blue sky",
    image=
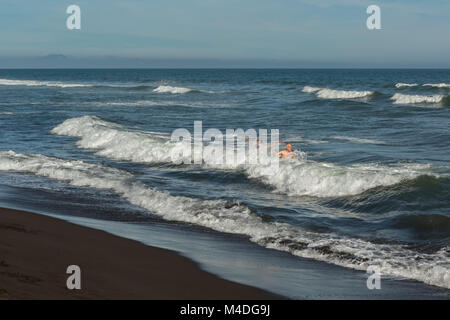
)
(288, 32)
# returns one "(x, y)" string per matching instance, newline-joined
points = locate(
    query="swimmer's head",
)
(289, 147)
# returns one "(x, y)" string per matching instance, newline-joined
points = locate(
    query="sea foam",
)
(298, 177)
(393, 259)
(170, 89)
(325, 93)
(35, 83)
(400, 98)
(402, 85)
(437, 85)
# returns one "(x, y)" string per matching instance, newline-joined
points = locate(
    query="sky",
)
(225, 33)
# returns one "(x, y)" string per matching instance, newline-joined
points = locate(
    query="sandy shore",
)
(35, 251)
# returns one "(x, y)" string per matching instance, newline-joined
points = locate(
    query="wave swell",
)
(325, 93)
(393, 259)
(298, 177)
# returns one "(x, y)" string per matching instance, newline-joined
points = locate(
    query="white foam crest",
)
(358, 140)
(298, 177)
(393, 260)
(217, 214)
(437, 85)
(396, 260)
(400, 98)
(170, 89)
(35, 83)
(303, 140)
(402, 85)
(113, 141)
(311, 178)
(6, 113)
(325, 93)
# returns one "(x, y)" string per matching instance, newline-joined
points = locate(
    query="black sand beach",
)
(35, 251)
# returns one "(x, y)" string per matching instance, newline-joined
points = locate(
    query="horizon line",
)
(230, 68)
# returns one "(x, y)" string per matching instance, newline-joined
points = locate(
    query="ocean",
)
(369, 185)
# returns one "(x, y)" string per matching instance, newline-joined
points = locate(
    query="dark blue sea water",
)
(370, 184)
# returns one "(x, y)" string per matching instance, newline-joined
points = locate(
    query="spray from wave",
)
(298, 177)
(393, 259)
(325, 93)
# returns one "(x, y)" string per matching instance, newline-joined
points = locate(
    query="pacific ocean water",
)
(369, 186)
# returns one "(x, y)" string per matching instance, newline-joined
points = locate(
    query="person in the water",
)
(286, 153)
(283, 154)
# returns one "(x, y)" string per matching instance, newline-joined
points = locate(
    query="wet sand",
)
(35, 251)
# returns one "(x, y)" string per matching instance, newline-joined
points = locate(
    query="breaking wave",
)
(325, 93)
(60, 84)
(402, 85)
(297, 177)
(35, 83)
(437, 85)
(232, 217)
(170, 89)
(400, 98)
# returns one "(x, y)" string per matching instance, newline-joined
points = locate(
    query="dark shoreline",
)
(35, 251)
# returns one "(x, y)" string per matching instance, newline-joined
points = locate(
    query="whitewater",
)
(293, 177)
(325, 93)
(369, 185)
(237, 218)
